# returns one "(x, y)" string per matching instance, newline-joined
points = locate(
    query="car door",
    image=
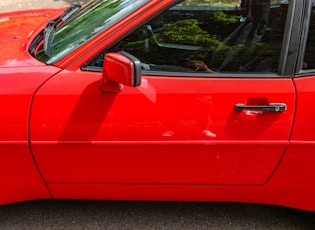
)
(200, 116)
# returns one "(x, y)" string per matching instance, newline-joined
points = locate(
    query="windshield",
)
(88, 22)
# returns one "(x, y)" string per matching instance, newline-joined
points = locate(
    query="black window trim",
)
(305, 25)
(295, 38)
(304, 36)
(248, 75)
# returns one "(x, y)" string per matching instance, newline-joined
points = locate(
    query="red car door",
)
(187, 125)
(170, 130)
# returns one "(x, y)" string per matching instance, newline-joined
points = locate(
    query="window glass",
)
(309, 58)
(210, 36)
(91, 20)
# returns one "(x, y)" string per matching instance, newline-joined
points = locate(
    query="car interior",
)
(198, 37)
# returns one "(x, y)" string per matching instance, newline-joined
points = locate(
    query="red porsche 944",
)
(192, 100)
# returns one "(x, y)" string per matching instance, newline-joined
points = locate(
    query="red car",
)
(159, 100)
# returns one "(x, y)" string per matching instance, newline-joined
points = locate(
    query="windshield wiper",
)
(52, 25)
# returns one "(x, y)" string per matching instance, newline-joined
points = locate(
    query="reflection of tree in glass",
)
(220, 16)
(88, 23)
(182, 32)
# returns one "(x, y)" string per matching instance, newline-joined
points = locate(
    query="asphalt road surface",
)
(54, 214)
(150, 215)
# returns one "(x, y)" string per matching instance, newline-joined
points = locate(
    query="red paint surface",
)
(172, 138)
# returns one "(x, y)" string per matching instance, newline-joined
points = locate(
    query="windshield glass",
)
(89, 21)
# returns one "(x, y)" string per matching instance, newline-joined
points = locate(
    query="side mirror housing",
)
(120, 69)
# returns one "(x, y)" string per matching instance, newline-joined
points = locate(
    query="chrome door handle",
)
(273, 107)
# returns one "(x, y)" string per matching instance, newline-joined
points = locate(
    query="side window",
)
(309, 58)
(210, 36)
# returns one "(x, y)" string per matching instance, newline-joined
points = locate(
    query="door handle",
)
(273, 107)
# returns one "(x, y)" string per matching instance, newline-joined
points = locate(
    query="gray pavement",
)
(13, 5)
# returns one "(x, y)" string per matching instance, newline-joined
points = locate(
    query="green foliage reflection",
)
(222, 17)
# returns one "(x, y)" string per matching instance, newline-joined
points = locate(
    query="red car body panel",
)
(287, 187)
(20, 179)
(172, 138)
(168, 130)
(20, 76)
(16, 31)
(304, 123)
